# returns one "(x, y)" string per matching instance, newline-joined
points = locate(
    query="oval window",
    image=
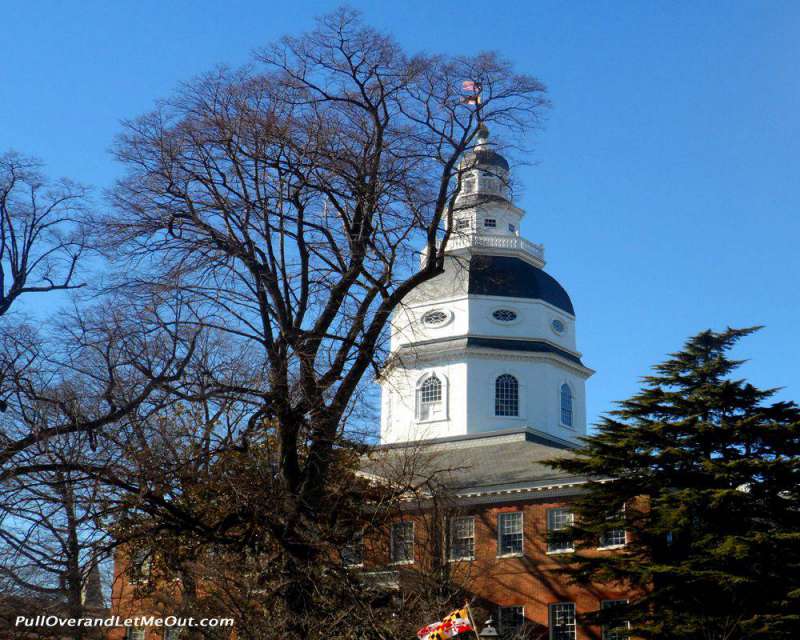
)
(434, 318)
(504, 315)
(558, 326)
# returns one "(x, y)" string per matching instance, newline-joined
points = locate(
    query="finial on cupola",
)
(483, 135)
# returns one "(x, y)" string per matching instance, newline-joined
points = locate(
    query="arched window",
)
(566, 405)
(506, 396)
(429, 398)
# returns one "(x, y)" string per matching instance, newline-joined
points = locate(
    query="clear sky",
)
(665, 186)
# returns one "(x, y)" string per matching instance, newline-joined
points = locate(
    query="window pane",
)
(353, 553)
(510, 618)
(431, 390)
(618, 631)
(612, 538)
(462, 538)
(562, 621)
(429, 398)
(566, 405)
(506, 396)
(509, 531)
(559, 520)
(402, 542)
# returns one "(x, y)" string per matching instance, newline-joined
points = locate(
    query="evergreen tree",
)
(702, 472)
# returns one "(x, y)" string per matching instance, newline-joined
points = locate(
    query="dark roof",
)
(498, 461)
(487, 157)
(510, 344)
(505, 344)
(515, 278)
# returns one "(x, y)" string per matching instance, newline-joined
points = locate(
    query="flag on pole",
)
(456, 622)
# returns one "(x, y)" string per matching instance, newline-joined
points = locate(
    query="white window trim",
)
(397, 563)
(571, 427)
(444, 414)
(432, 327)
(550, 628)
(563, 321)
(513, 554)
(557, 552)
(505, 307)
(611, 547)
(521, 395)
(474, 540)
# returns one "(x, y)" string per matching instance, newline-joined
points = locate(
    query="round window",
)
(504, 315)
(558, 326)
(434, 318)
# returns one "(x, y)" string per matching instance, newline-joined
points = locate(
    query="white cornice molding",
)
(431, 351)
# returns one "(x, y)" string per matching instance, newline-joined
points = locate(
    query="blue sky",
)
(665, 185)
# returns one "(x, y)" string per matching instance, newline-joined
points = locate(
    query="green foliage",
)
(705, 471)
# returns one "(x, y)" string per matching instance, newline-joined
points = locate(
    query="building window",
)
(617, 630)
(434, 318)
(469, 185)
(353, 553)
(509, 533)
(135, 633)
(562, 621)
(566, 405)
(462, 538)
(614, 537)
(559, 539)
(490, 223)
(140, 566)
(462, 223)
(504, 315)
(506, 396)
(512, 228)
(402, 542)
(510, 618)
(429, 398)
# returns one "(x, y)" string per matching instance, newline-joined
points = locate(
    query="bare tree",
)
(286, 203)
(41, 237)
(51, 540)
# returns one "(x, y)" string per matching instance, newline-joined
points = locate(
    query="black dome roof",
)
(515, 278)
(487, 157)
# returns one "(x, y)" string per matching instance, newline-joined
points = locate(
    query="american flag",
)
(471, 86)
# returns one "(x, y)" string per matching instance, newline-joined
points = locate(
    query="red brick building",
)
(505, 508)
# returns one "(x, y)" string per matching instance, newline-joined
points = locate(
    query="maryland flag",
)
(455, 623)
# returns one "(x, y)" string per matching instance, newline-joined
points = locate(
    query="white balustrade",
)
(492, 241)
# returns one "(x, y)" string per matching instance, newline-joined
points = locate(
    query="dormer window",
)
(462, 224)
(490, 223)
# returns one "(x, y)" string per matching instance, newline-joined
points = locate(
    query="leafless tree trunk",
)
(285, 204)
(41, 237)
